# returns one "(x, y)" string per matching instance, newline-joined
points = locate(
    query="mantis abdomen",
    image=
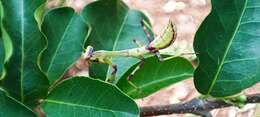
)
(165, 39)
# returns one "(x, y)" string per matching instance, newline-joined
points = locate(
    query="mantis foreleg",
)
(114, 69)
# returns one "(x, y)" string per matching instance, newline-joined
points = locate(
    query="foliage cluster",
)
(38, 45)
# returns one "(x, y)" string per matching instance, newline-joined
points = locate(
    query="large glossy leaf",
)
(11, 108)
(114, 28)
(85, 97)
(228, 48)
(155, 75)
(24, 80)
(66, 32)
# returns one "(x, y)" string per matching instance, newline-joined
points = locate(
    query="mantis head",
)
(88, 52)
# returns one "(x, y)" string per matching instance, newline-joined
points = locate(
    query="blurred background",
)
(187, 15)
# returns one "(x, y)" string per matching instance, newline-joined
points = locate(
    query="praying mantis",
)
(162, 41)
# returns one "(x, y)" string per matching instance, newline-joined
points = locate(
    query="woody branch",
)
(195, 106)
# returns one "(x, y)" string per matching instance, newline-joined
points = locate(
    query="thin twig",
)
(195, 106)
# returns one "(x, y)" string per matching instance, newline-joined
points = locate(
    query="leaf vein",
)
(158, 81)
(83, 106)
(59, 45)
(227, 50)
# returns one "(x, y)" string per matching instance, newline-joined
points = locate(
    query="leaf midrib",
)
(118, 35)
(159, 81)
(58, 47)
(227, 50)
(22, 49)
(85, 106)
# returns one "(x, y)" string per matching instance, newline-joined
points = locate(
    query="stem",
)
(195, 106)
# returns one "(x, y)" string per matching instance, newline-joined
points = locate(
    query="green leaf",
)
(24, 80)
(39, 14)
(82, 96)
(66, 33)
(8, 47)
(2, 57)
(228, 48)
(11, 108)
(155, 75)
(2, 47)
(6, 39)
(114, 28)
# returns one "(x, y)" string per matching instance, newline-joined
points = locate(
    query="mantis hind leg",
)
(130, 77)
(146, 29)
(171, 57)
(138, 43)
(139, 66)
